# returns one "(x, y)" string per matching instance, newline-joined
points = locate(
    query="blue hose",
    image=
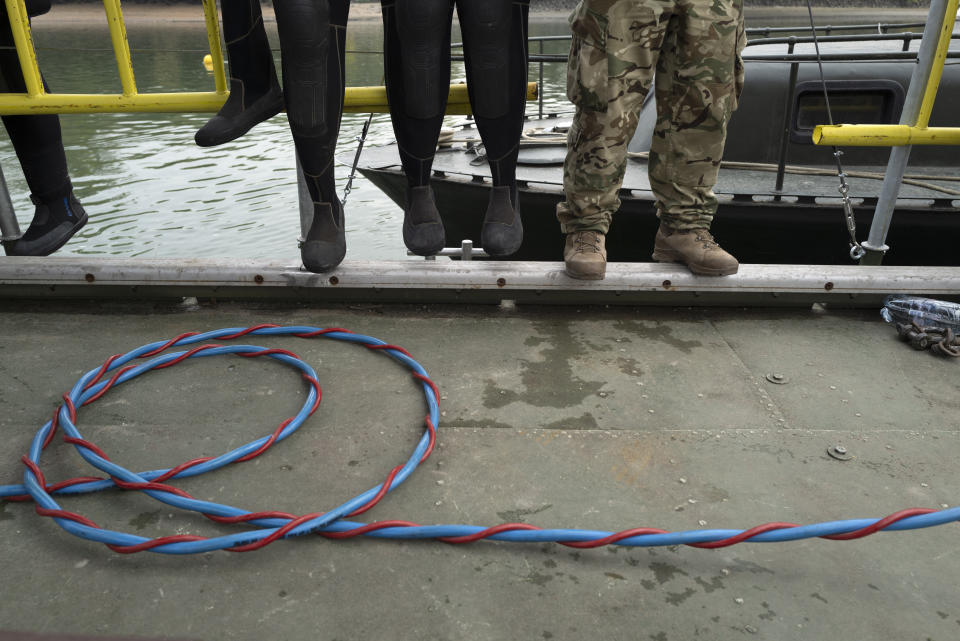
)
(334, 521)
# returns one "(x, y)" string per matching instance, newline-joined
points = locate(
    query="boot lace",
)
(587, 242)
(705, 237)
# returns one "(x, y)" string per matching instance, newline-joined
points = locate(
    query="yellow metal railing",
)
(38, 101)
(896, 135)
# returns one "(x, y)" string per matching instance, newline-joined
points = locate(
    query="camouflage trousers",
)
(694, 47)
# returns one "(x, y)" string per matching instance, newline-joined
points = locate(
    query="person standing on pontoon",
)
(312, 54)
(416, 46)
(694, 46)
(39, 146)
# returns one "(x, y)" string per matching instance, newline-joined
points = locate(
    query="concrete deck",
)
(561, 417)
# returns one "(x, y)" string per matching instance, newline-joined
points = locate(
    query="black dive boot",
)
(422, 228)
(255, 94)
(325, 244)
(55, 221)
(502, 231)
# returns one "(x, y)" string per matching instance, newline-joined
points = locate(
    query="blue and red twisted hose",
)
(332, 524)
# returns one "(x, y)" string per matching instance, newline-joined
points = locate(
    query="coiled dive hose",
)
(333, 524)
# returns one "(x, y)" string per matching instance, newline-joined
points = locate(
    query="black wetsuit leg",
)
(39, 147)
(255, 93)
(495, 51)
(416, 44)
(312, 45)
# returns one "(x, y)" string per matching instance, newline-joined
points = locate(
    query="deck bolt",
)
(839, 452)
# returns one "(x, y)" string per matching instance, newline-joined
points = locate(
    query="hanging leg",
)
(255, 93)
(312, 47)
(416, 44)
(495, 49)
(39, 146)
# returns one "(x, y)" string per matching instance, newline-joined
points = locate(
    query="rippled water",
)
(151, 192)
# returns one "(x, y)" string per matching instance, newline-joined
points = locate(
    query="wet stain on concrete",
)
(715, 583)
(659, 636)
(550, 563)
(655, 331)
(943, 615)
(584, 422)
(3, 512)
(614, 575)
(547, 634)
(816, 595)
(713, 494)
(630, 366)
(648, 584)
(538, 579)
(664, 572)
(873, 587)
(516, 516)
(769, 615)
(550, 382)
(779, 452)
(144, 519)
(467, 422)
(749, 566)
(676, 598)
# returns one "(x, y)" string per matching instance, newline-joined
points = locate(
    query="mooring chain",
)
(361, 139)
(937, 339)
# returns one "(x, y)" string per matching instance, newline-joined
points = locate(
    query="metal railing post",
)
(121, 47)
(540, 85)
(942, 13)
(216, 50)
(9, 228)
(787, 124)
(20, 27)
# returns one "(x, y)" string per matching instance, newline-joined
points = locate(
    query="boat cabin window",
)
(858, 102)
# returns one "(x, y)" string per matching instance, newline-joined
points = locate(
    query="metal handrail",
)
(38, 100)
(913, 128)
(881, 27)
(907, 37)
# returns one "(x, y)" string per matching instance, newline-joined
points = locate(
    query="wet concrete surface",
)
(563, 418)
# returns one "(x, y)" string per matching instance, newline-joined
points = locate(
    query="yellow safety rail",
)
(895, 135)
(38, 101)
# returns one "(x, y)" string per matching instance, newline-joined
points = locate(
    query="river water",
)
(150, 191)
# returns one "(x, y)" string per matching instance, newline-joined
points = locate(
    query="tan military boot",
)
(696, 248)
(585, 255)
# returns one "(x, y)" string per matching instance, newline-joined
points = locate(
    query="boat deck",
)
(571, 417)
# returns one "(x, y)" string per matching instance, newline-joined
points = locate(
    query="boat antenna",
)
(856, 249)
